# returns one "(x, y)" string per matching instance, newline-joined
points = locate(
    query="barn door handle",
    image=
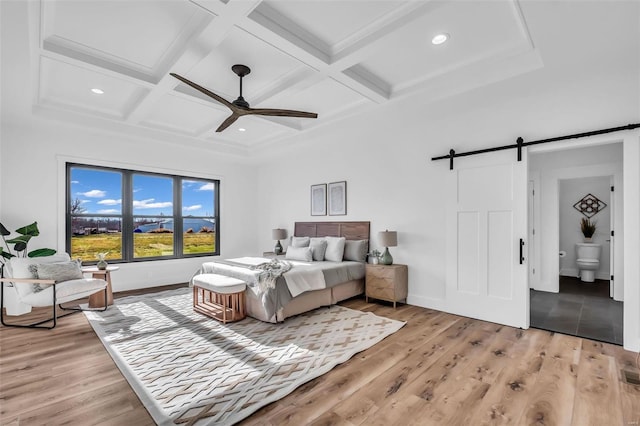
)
(521, 251)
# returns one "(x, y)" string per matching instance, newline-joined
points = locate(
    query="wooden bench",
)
(219, 297)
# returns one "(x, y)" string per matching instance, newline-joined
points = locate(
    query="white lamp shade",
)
(388, 238)
(278, 234)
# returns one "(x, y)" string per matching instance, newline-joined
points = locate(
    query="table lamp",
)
(278, 234)
(387, 239)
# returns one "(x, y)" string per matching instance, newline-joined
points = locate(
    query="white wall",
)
(570, 191)
(33, 178)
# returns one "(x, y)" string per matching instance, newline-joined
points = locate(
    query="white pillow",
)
(299, 253)
(300, 241)
(356, 250)
(335, 248)
(19, 268)
(318, 248)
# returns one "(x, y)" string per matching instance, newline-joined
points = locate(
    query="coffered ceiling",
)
(336, 58)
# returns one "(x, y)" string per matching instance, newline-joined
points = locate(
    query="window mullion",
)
(127, 216)
(178, 232)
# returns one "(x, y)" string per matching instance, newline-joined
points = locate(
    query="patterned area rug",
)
(189, 369)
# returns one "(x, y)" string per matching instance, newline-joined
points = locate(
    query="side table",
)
(386, 282)
(96, 300)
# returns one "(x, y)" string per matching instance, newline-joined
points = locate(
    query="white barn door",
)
(486, 220)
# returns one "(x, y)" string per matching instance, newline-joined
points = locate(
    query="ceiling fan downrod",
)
(241, 71)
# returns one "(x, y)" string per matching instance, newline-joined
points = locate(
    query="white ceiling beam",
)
(200, 47)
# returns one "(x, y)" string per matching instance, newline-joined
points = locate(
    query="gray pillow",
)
(59, 271)
(356, 250)
(335, 249)
(299, 253)
(299, 241)
(318, 248)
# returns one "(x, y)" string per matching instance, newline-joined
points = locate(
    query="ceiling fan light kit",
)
(240, 106)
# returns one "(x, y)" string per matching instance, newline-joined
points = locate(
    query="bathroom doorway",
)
(568, 186)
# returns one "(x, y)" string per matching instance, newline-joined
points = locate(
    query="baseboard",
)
(427, 302)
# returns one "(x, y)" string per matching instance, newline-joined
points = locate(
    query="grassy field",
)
(85, 247)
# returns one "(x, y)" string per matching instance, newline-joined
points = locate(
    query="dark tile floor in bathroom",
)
(579, 309)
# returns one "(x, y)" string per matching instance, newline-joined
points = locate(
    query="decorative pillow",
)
(59, 271)
(356, 250)
(318, 248)
(299, 241)
(335, 248)
(18, 267)
(299, 253)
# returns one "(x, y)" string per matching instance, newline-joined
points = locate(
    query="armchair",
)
(24, 291)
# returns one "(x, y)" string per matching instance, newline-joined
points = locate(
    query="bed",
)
(343, 280)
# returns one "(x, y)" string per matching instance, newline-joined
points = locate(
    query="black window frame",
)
(127, 216)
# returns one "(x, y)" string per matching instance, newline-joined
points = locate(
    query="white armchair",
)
(19, 291)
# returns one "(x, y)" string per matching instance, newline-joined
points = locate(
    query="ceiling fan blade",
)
(281, 112)
(228, 122)
(207, 92)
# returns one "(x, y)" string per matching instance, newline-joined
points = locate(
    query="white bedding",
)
(302, 277)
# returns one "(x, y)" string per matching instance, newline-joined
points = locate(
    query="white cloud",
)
(109, 202)
(149, 204)
(206, 187)
(192, 208)
(108, 211)
(94, 193)
(85, 201)
(75, 181)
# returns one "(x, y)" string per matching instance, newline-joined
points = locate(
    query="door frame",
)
(550, 242)
(627, 228)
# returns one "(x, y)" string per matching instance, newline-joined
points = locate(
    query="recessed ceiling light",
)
(97, 91)
(440, 38)
(242, 129)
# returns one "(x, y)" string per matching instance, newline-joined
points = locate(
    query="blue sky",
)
(100, 191)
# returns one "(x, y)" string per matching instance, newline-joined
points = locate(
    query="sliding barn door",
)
(486, 232)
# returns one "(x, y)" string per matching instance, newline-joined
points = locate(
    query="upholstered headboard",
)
(349, 230)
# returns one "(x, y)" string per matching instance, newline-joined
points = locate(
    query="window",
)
(138, 215)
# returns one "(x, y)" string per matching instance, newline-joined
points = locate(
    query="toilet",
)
(588, 260)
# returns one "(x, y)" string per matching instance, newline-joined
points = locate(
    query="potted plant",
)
(588, 228)
(20, 244)
(374, 256)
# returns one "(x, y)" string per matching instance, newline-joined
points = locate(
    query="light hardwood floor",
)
(440, 369)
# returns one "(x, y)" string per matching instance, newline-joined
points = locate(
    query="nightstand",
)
(386, 282)
(272, 254)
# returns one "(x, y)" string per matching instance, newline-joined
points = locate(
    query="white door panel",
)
(468, 252)
(486, 218)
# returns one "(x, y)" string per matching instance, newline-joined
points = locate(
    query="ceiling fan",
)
(240, 107)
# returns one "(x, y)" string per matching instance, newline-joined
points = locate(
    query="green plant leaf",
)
(24, 239)
(20, 246)
(42, 252)
(6, 254)
(4, 231)
(31, 230)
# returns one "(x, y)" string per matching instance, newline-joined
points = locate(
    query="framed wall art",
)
(319, 199)
(338, 198)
